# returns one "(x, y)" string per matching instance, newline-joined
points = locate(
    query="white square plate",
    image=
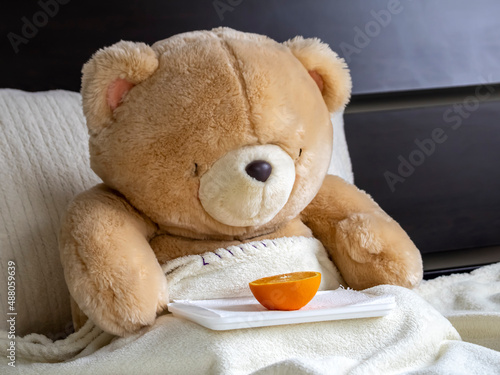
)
(246, 312)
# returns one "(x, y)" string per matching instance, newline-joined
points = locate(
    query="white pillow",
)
(44, 164)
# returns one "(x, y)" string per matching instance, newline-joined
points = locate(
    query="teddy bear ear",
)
(109, 75)
(329, 71)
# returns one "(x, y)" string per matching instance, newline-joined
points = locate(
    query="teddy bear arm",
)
(110, 269)
(367, 245)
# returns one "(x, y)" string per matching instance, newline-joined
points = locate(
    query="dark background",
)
(416, 45)
(429, 52)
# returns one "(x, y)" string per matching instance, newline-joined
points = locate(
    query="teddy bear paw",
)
(380, 251)
(122, 311)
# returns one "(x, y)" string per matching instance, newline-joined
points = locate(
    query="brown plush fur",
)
(185, 102)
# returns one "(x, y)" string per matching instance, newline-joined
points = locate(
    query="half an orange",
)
(289, 291)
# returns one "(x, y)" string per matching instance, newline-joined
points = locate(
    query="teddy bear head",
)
(214, 134)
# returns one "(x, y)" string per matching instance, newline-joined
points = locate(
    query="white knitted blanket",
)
(43, 165)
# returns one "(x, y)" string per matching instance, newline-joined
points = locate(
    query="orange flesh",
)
(290, 291)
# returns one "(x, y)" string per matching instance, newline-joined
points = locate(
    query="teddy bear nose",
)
(259, 169)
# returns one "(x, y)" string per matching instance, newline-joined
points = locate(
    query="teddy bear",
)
(205, 140)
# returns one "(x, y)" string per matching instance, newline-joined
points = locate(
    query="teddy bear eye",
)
(195, 169)
(300, 152)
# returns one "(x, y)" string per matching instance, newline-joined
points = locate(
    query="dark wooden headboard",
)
(412, 64)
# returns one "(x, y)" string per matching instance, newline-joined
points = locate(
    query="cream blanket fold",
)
(414, 338)
(227, 272)
(471, 302)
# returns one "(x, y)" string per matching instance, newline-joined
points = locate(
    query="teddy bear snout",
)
(248, 186)
(259, 169)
